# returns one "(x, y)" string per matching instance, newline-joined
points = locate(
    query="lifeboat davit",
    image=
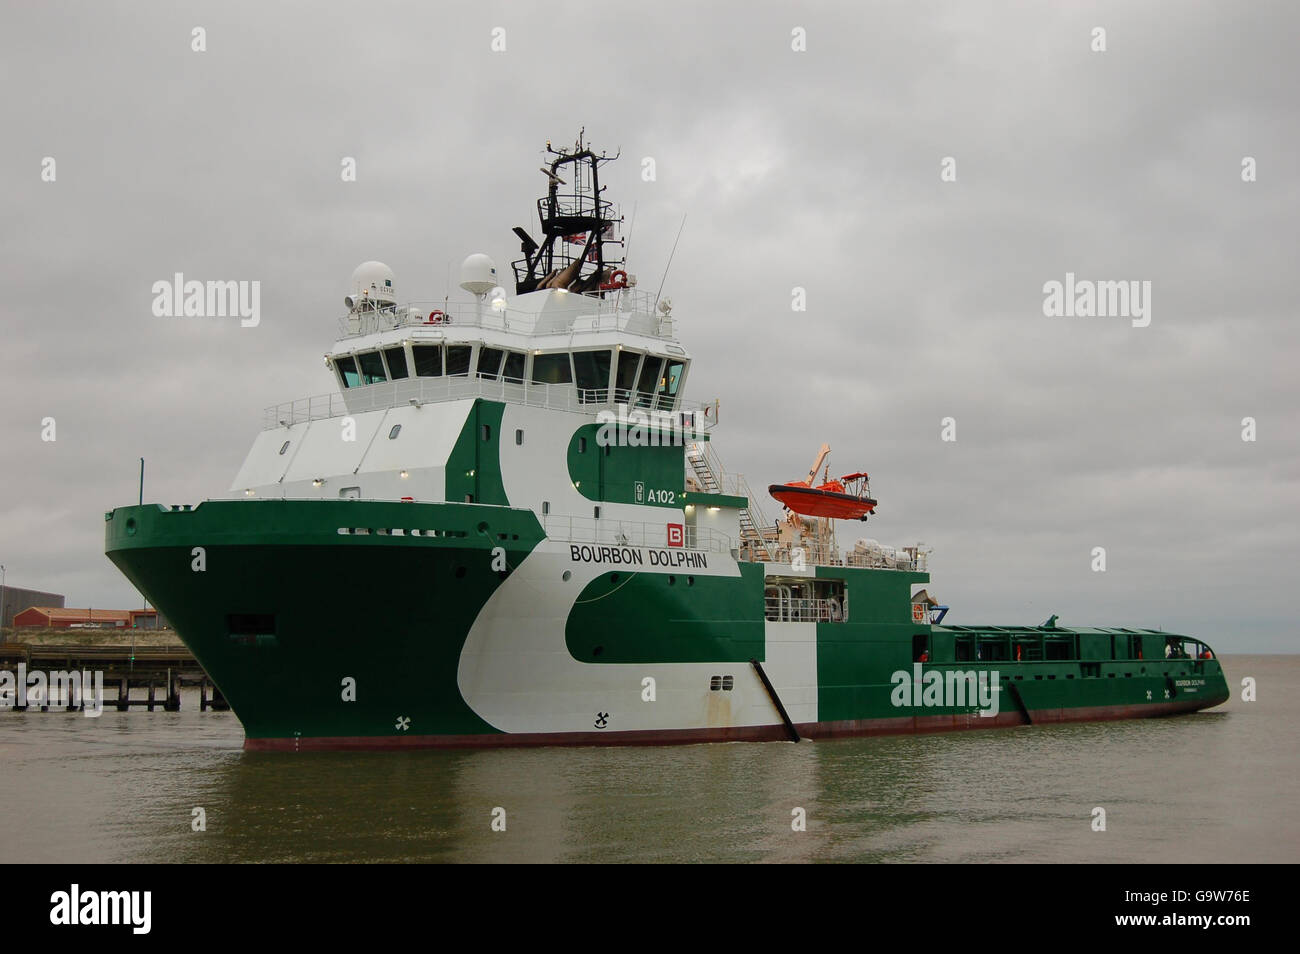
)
(843, 499)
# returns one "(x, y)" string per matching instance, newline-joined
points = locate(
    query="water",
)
(1211, 787)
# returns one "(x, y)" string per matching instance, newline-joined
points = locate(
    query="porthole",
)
(566, 576)
(672, 580)
(613, 578)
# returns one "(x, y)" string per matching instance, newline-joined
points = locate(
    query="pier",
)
(148, 677)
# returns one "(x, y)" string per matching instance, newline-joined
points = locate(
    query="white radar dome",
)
(371, 282)
(478, 274)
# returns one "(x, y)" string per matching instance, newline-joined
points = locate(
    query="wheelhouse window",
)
(396, 358)
(347, 369)
(552, 369)
(458, 360)
(591, 371)
(649, 380)
(372, 367)
(625, 378)
(513, 372)
(668, 384)
(489, 363)
(428, 360)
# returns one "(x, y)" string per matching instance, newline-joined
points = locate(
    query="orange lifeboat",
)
(848, 498)
(843, 499)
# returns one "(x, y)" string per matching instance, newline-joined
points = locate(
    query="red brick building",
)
(54, 617)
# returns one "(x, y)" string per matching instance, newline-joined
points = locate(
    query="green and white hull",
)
(507, 526)
(326, 627)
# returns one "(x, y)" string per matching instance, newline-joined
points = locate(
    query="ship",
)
(506, 524)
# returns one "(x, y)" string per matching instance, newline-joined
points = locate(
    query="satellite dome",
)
(478, 274)
(371, 282)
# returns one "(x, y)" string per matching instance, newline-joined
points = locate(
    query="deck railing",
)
(622, 310)
(420, 390)
(794, 610)
(626, 533)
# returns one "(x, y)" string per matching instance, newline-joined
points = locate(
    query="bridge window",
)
(458, 360)
(552, 369)
(396, 362)
(591, 370)
(489, 362)
(428, 360)
(513, 372)
(347, 369)
(626, 376)
(672, 378)
(645, 385)
(372, 367)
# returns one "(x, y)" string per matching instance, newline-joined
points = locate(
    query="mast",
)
(578, 251)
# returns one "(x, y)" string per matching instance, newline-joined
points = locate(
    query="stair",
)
(708, 471)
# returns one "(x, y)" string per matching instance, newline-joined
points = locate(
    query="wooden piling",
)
(173, 691)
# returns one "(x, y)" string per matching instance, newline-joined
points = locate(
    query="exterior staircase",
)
(713, 479)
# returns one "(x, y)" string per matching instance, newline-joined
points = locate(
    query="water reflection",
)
(1207, 787)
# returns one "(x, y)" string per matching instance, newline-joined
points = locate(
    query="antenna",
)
(627, 239)
(670, 259)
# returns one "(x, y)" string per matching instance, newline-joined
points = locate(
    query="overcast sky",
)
(818, 169)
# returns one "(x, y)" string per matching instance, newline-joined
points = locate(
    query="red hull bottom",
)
(854, 728)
